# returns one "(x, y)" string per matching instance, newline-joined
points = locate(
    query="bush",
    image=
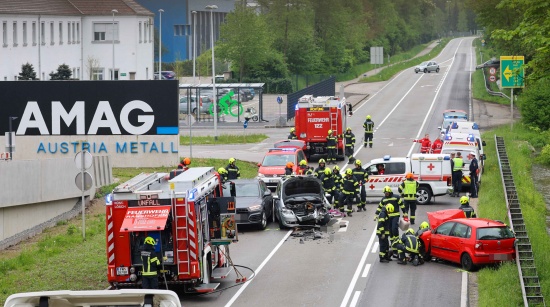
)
(535, 106)
(544, 157)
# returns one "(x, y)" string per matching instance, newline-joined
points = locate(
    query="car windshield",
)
(248, 189)
(494, 233)
(423, 64)
(277, 160)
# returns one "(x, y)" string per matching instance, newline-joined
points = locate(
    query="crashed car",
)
(300, 200)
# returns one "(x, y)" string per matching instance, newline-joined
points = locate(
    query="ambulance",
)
(465, 144)
(432, 171)
(466, 129)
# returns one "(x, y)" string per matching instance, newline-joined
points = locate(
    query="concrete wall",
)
(35, 192)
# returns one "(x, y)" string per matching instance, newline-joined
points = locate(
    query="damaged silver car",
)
(299, 201)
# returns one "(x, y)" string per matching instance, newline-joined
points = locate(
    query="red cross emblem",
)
(371, 186)
(431, 167)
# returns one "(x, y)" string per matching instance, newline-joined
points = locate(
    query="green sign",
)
(511, 71)
(123, 74)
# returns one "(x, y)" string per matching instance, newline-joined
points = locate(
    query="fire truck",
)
(190, 220)
(314, 117)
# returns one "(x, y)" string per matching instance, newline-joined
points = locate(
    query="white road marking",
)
(391, 144)
(345, 228)
(464, 290)
(366, 271)
(257, 271)
(355, 298)
(374, 248)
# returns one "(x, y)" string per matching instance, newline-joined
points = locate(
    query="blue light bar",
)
(447, 158)
(471, 138)
(454, 125)
(296, 107)
(283, 149)
(475, 126)
(387, 157)
(448, 137)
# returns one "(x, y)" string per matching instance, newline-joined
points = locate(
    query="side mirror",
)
(483, 143)
(259, 164)
(439, 127)
(267, 193)
(484, 157)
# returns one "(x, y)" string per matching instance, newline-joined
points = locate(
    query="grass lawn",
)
(223, 139)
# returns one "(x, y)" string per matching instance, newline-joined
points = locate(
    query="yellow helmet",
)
(303, 162)
(231, 160)
(322, 161)
(328, 171)
(349, 171)
(424, 225)
(368, 116)
(330, 132)
(464, 200)
(222, 171)
(358, 162)
(387, 189)
(292, 130)
(410, 231)
(390, 208)
(348, 129)
(150, 240)
(336, 168)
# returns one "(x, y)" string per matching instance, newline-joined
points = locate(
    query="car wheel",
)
(263, 222)
(194, 110)
(423, 196)
(437, 69)
(325, 220)
(416, 71)
(425, 70)
(281, 225)
(466, 262)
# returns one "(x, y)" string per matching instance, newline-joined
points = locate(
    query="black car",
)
(254, 202)
(166, 75)
(491, 63)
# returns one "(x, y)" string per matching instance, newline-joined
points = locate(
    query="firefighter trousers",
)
(334, 195)
(150, 282)
(411, 204)
(368, 139)
(331, 154)
(384, 245)
(394, 230)
(346, 199)
(457, 182)
(349, 151)
(363, 195)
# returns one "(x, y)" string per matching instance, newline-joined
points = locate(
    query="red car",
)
(470, 242)
(272, 167)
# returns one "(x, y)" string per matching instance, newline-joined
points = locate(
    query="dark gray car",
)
(253, 201)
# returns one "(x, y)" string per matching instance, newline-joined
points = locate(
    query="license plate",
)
(500, 257)
(273, 180)
(122, 271)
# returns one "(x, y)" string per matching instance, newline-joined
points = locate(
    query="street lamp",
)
(212, 8)
(10, 141)
(194, 43)
(160, 43)
(113, 39)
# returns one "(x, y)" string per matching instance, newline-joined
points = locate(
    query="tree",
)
(27, 72)
(92, 64)
(63, 73)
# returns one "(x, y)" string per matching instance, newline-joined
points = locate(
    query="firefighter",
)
(383, 232)
(321, 169)
(425, 144)
(330, 187)
(289, 169)
(350, 144)
(151, 262)
(223, 174)
(465, 206)
(457, 174)
(302, 167)
(292, 135)
(408, 189)
(437, 145)
(361, 176)
(424, 226)
(474, 171)
(311, 172)
(408, 243)
(350, 188)
(390, 198)
(184, 164)
(337, 177)
(233, 171)
(332, 141)
(369, 132)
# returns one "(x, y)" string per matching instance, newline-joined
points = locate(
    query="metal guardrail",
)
(488, 88)
(528, 276)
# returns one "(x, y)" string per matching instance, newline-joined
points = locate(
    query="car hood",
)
(437, 218)
(272, 170)
(247, 201)
(302, 186)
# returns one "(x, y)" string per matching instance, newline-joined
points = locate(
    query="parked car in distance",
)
(272, 167)
(450, 116)
(470, 242)
(204, 105)
(427, 67)
(253, 200)
(166, 75)
(491, 63)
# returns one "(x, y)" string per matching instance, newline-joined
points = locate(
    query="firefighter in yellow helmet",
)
(465, 206)
(350, 188)
(233, 171)
(302, 168)
(408, 189)
(151, 263)
(319, 171)
(292, 135)
(383, 232)
(408, 243)
(349, 138)
(332, 141)
(329, 185)
(397, 202)
(369, 132)
(223, 174)
(361, 176)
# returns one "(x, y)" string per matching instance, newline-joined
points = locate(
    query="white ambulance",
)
(468, 128)
(432, 171)
(465, 144)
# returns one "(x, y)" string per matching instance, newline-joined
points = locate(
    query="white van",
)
(463, 130)
(457, 142)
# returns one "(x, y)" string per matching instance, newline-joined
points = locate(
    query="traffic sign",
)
(279, 99)
(492, 78)
(492, 70)
(245, 124)
(511, 71)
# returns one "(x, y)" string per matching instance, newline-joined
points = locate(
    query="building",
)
(91, 37)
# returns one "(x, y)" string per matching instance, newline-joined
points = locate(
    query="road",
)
(341, 268)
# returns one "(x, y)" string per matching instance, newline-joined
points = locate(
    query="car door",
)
(439, 247)
(457, 241)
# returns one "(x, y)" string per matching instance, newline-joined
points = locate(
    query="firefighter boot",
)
(384, 260)
(401, 261)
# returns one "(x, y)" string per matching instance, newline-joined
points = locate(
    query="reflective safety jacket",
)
(369, 126)
(360, 174)
(292, 136)
(457, 164)
(302, 169)
(319, 172)
(468, 210)
(338, 179)
(397, 203)
(384, 224)
(150, 260)
(233, 171)
(328, 182)
(331, 141)
(350, 139)
(350, 185)
(408, 189)
(410, 242)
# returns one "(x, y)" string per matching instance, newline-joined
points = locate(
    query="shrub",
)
(535, 109)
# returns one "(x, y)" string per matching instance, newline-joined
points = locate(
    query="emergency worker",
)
(425, 144)
(457, 174)
(289, 169)
(151, 262)
(369, 132)
(350, 188)
(292, 135)
(390, 198)
(361, 176)
(408, 189)
(424, 226)
(474, 171)
(184, 164)
(319, 171)
(311, 172)
(332, 141)
(408, 243)
(223, 174)
(349, 137)
(233, 171)
(383, 233)
(302, 167)
(437, 145)
(465, 206)
(330, 187)
(337, 177)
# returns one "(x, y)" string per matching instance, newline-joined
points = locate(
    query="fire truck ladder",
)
(334, 121)
(182, 237)
(137, 182)
(528, 276)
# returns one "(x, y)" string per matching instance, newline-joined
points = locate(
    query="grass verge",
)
(224, 139)
(478, 79)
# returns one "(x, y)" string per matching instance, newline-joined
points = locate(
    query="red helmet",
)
(186, 161)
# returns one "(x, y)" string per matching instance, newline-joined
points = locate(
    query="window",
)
(51, 33)
(5, 34)
(78, 32)
(145, 29)
(60, 33)
(74, 40)
(140, 33)
(461, 231)
(34, 33)
(444, 229)
(97, 74)
(182, 30)
(68, 32)
(24, 33)
(15, 33)
(105, 32)
(395, 168)
(43, 34)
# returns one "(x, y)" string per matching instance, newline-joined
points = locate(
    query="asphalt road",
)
(341, 267)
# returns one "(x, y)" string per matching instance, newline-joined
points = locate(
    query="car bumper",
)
(248, 217)
(483, 258)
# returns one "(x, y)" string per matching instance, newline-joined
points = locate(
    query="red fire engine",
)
(187, 215)
(314, 117)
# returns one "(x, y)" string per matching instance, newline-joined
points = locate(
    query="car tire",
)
(416, 71)
(263, 222)
(194, 110)
(466, 262)
(325, 220)
(423, 196)
(281, 225)
(425, 70)
(437, 69)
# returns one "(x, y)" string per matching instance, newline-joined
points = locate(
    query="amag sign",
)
(124, 119)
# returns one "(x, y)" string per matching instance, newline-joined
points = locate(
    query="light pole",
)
(212, 8)
(113, 40)
(10, 141)
(448, 16)
(194, 43)
(160, 43)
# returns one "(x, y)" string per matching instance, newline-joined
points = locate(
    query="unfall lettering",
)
(148, 202)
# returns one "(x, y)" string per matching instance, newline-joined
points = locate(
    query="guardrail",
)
(528, 276)
(488, 88)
